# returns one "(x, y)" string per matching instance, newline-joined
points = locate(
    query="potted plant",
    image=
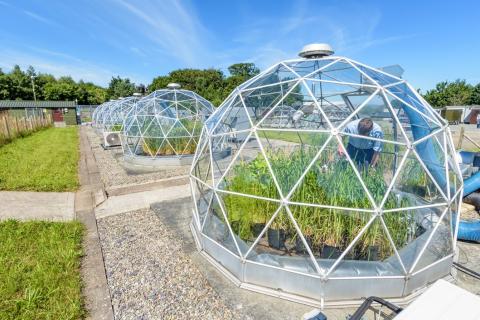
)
(277, 234)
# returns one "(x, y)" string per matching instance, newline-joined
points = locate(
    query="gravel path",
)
(149, 275)
(112, 172)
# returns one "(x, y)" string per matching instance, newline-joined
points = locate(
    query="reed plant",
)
(332, 182)
(182, 140)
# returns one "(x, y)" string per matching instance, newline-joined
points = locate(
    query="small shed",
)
(62, 112)
(461, 114)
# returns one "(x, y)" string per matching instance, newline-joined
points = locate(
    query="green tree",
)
(63, 89)
(446, 93)
(245, 70)
(475, 97)
(119, 87)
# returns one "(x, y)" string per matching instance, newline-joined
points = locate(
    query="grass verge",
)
(44, 161)
(40, 270)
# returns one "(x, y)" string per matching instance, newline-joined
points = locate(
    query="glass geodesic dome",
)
(291, 199)
(167, 123)
(113, 116)
(100, 114)
(96, 114)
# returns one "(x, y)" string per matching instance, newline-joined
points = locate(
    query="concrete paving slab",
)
(95, 289)
(139, 200)
(55, 206)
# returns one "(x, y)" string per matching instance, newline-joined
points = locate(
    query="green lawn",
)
(44, 161)
(40, 270)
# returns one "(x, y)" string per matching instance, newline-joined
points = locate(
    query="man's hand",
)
(375, 157)
(341, 151)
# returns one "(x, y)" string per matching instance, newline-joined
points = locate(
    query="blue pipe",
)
(467, 230)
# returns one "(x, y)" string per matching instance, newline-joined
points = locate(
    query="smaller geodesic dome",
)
(100, 114)
(96, 113)
(300, 208)
(113, 116)
(166, 123)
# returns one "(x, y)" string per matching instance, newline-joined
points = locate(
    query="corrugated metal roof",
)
(12, 104)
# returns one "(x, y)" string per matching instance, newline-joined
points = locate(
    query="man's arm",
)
(375, 157)
(377, 148)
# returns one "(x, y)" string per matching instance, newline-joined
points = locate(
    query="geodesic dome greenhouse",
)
(166, 123)
(290, 201)
(101, 113)
(113, 115)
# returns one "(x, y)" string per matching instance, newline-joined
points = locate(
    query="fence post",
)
(460, 137)
(9, 135)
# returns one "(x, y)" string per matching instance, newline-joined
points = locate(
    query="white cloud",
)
(40, 18)
(59, 64)
(172, 26)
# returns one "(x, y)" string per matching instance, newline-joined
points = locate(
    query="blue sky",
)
(140, 39)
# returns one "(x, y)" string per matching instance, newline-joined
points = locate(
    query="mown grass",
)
(40, 270)
(44, 161)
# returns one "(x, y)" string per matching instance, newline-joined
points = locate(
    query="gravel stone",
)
(110, 165)
(149, 274)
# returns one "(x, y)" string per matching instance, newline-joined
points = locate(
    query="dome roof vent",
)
(173, 86)
(316, 50)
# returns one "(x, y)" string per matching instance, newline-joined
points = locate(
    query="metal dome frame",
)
(164, 124)
(291, 90)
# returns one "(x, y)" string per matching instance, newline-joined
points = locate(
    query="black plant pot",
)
(235, 225)
(257, 229)
(276, 238)
(300, 247)
(373, 253)
(330, 252)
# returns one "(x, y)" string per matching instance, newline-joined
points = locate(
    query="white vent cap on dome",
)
(173, 86)
(316, 50)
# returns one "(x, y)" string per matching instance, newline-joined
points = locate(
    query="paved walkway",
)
(91, 193)
(55, 206)
(139, 200)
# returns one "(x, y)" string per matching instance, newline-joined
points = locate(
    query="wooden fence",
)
(12, 127)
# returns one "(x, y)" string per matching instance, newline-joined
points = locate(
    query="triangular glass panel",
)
(260, 101)
(336, 101)
(203, 197)
(163, 124)
(373, 107)
(379, 77)
(413, 186)
(133, 144)
(177, 131)
(247, 217)
(285, 74)
(182, 146)
(249, 173)
(332, 181)
(297, 110)
(277, 246)
(440, 244)
(150, 128)
(306, 67)
(379, 177)
(216, 227)
(275, 75)
(235, 118)
(149, 146)
(202, 168)
(223, 152)
(372, 254)
(340, 71)
(290, 153)
(417, 115)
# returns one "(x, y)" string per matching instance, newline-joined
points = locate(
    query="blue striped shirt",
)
(362, 143)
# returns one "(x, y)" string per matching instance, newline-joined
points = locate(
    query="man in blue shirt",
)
(359, 149)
